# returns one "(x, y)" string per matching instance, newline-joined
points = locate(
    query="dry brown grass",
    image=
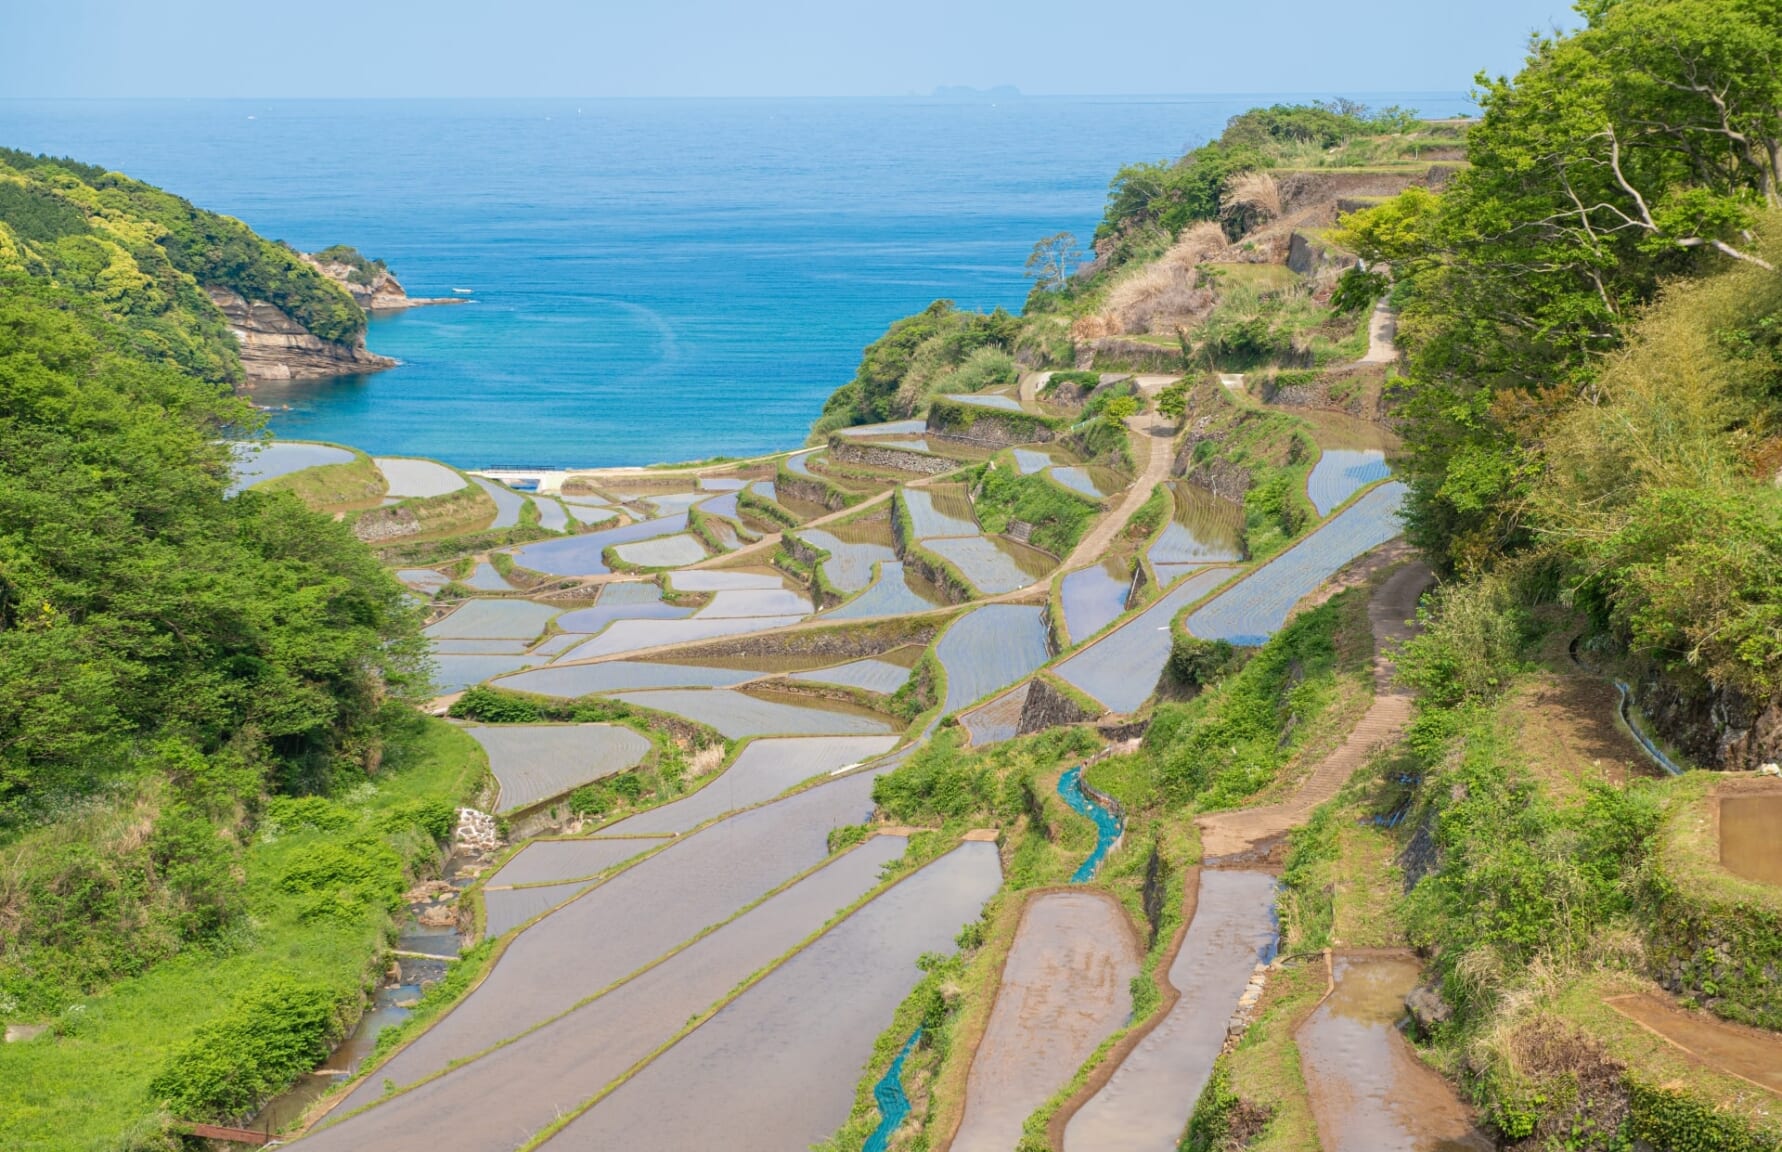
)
(1161, 295)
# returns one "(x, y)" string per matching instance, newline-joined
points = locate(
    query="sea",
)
(647, 280)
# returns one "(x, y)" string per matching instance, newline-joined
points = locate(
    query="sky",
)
(712, 48)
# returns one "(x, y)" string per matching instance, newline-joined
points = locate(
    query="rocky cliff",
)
(276, 347)
(375, 290)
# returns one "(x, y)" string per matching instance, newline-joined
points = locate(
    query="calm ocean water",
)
(654, 280)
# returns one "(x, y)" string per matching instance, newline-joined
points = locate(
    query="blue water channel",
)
(1107, 825)
(894, 1104)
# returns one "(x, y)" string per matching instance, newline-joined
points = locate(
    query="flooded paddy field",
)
(581, 555)
(1203, 528)
(992, 563)
(456, 673)
(891, 428)
(451, 647)
(409, 478)
(633, 635)
(713, 580)
(556, 861)
(575, 680)
(1750, 1054)
(552, 516)
(662, 552)
(785, 1055)
(507, 502)
(1168, 574)
(895, 592)
(424, 580)
(1369, 1091)
(987, 400)
(1254, 609)
(997, 720)
(484, 578)
(493, 620)
(1066, 987)
(940, 510)
(505, 909)
(990, 648)
(1749, 842)
(760, 772)
(1342, 472)
(630, 920)
(755, 602)
(1146, 1102)
(494, 1103)
(1354, 455)
(621, 602)
(735, 714)
(869, 675)
(1094, 597)
(853, 550)
(590, 514)
(256, 462)
(1121, 669)
(534, 762)
(1094, 483)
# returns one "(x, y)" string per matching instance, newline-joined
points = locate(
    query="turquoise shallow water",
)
(655, 279)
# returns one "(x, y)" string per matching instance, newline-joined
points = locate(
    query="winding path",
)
(1389, 614)
(1155, 436)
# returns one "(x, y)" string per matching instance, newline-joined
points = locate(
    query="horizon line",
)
(985, 95)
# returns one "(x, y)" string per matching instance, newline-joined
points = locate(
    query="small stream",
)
(434, 948)
(894, 1103)
(1108, 825)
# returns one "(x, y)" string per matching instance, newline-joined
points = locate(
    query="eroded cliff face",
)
(276, 347)
(383, 293)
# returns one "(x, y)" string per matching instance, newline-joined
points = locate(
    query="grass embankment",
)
(1059, 517)
(355, 483)
(210, 1033)
(417, 518)
(1265, 455)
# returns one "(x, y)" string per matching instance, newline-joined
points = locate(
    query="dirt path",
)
(1382, 329)
(1156, 438)
(1230, 833)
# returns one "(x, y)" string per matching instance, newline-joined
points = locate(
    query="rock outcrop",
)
(276, 347)
(380, 291)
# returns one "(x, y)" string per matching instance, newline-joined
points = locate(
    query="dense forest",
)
(176, 663)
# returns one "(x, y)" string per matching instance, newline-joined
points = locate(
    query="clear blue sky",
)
(481, 48)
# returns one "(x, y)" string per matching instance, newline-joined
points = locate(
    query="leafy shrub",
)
(296, 813)
(1197, 662)
(938, 782)
(340, 881)
(433, 818)
(1470, 645)
(274, 1032)
(492, 706)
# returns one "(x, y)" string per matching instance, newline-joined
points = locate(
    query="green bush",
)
(274, 1032)
(1199, 663)
(341, 880)
(492, 706)
(1059, 517)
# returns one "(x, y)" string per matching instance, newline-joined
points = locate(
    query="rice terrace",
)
(1296, 666)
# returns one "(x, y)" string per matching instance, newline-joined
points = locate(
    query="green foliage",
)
(915, 357)
(1518, 875)
(1149, 204)
(493, 706)
(1637, 150)
(1273, 511)
(1470, 644)
(363, 271)
(937, 783)
(273, 1032)
(1671, 1119)
(1229, 742)
(1059, 516)
(1172, 401)
(1200, 663)
(1356, 290)
(1308, 914)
